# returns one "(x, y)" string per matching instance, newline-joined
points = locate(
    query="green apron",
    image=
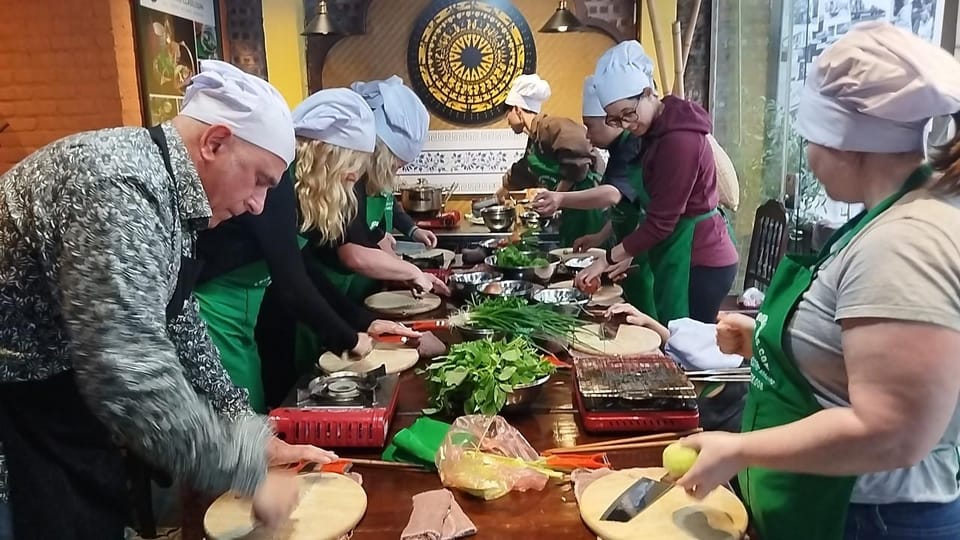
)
(625, 217)
(229, 305)
(573, 223)
(357, 287)
(789, 506)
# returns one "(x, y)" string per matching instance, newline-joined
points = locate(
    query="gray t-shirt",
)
(905, 265)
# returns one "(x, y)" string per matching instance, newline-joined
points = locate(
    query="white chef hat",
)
(875, 89)
(591, 103)
(528, 92)
(623, 71)
(251, 107)
(402, 119)
(338, 116)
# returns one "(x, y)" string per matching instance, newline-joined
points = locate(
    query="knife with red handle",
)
(427, 326)
(394, 339)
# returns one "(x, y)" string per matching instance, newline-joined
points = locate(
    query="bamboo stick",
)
(678, 89)
(658, 45)
(615, 447)
(688, 34)
(587, 447)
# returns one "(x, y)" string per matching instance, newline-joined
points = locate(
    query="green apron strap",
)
(789, 506)
(229, 305)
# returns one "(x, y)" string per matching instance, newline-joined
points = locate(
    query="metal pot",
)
(422, 198)
(499, 218)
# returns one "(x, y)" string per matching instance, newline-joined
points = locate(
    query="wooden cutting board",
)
(394, 358)
(675, 516)
(630, 340)
(330, 506)
(402, 303)
(569, 253)
(607, 295)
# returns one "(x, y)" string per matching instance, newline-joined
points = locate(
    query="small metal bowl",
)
(527, 273)
(499, 218)
(522, 396)
(508, 288)
(569, 301)
(534, 220)
(464, 285)
(472, 333)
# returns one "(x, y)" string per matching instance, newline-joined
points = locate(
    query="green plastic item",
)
(418, 443)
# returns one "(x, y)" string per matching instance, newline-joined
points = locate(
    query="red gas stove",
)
(647, 393)
(340, 410)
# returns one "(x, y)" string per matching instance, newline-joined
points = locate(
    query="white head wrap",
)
(591, 103)
(251, 107)
(337, 116)
(529, 92)
(402, 119)
(875, 89)
(623, 71)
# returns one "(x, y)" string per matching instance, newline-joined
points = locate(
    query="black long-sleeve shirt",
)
(306, 293)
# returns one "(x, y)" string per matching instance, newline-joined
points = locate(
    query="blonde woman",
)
(363, 256)
(335, 135)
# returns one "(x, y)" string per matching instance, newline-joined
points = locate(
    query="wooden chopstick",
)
(613, 447)
(590, 447)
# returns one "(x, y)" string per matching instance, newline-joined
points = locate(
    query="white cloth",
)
(338, 116)
(222, 94)
(402, 119)
(529, 92)
(623, 71)
(591, 103)
(875, 89)
(693, 345)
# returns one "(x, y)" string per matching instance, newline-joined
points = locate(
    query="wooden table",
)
(551, 513)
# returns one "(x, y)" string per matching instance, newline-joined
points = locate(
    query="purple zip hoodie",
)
(680, 177)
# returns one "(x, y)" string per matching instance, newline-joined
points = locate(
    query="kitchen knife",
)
(637, 498)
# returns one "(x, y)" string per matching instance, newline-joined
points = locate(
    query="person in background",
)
(247, 253)
(683, 234)
(99, 337)
(558, 156)
(364, 257)
(621, 191)
(852, 425)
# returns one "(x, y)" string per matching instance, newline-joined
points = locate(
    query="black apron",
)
(66, 475)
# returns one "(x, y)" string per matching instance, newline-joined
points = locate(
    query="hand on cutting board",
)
(735, 334)
(425, 237)
(364, 345)
(281, 453)
(276, 498)
(638, 318)
(430, 283)
(380, 327)
(720, 459)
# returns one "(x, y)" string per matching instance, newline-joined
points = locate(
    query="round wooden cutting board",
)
(630, 339)
(607, 295)
(402, 303)
(396, 359)
(569, 253)
(675, 516)
(330, 506)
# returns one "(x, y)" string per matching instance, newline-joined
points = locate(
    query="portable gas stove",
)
(340, 410)
(634, 393)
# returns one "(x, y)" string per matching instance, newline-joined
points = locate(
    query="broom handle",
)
(658, 45)
(678, 89)
(688, 34)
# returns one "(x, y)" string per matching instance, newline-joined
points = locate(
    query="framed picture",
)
(172, 36)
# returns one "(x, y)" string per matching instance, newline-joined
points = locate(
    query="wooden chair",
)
(768, 243)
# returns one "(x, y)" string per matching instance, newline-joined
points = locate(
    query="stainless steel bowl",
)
(509, 287)
(499, 218)
(464, 285)
(472, 333)
(527, 273)
(534, 220)
(569, 301)
(522, 396)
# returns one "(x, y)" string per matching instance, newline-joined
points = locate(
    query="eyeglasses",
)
(627, 116)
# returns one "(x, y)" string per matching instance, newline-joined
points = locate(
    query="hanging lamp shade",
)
(322, 23)
(562, 20)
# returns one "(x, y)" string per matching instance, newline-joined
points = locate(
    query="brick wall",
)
(65, 66)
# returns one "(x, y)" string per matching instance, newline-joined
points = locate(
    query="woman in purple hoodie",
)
(693, 259)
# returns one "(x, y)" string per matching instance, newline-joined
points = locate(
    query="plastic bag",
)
(751, 298)
(488, 458)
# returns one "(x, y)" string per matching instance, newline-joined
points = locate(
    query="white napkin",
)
(693, 345)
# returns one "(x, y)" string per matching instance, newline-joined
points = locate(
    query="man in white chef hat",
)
(859, 423)
(558, 156)
(100, 338)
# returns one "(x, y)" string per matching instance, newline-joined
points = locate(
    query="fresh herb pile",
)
(516, 317)
(512, 257)
(476, 376)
